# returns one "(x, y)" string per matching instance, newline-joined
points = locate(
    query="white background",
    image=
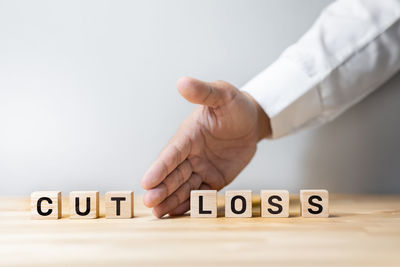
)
(88, 95)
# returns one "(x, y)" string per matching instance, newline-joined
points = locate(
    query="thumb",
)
(212, 94)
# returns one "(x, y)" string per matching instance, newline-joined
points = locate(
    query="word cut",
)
(274, 203)
(46, 205)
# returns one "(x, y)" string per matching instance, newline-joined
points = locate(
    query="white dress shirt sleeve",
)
(352, 48)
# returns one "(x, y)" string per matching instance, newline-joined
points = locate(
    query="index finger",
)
(172, 155)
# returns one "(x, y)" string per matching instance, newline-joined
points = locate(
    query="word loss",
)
(274, 203)
(203, 204)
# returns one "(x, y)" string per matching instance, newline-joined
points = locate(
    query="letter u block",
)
(314, 203)
(84, 204)
(46, 205)
(119, 204)
(238, 204)
(203, 204)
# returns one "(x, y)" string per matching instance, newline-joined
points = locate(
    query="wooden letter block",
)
(274, 203)
(314, 203)
(84, 204)
(46, 205)
(119, 204)
(238, 203)
(203, 203)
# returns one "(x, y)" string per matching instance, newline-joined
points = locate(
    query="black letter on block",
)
(87, 211)
(279, 206)
(243, 205)
(118, 199)
(201, 208)
(310, 201)
(39, 206)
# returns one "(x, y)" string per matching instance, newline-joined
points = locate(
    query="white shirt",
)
(352, 49)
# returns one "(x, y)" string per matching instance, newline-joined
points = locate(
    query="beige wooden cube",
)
(203, 203)
(238, 203)
(314, 203)
(46, 205)
(274, 203)
(84, 204)
(119, 204)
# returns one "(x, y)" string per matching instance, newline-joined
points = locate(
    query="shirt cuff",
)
(288, 96)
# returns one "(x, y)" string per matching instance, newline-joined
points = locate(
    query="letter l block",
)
(203, 204)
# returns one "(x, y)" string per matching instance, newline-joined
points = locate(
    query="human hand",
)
(210, 148)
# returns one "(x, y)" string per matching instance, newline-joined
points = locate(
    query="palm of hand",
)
(223, 141)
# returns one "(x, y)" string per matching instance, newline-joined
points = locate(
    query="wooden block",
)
(274, 203)
(238, 203)
(84, 204)
(203, 203)
(119, 204)
(46, 205)
(314, 203)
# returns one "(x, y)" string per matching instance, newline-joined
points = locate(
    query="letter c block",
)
(46, 205)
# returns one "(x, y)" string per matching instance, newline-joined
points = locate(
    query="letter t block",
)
(119, 204)
(203, 204)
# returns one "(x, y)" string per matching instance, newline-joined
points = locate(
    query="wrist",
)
(263, 121)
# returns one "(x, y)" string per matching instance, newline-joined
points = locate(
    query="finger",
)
(181, 209)
(171, 183)
(207, 170)
(185, 206)
(173, 154)
(178, 197)
(211, 94)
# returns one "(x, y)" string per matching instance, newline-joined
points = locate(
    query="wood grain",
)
(361, 231)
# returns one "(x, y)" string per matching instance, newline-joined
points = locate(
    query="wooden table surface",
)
(362, 231)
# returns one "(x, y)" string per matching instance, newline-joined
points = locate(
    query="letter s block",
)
(203, 203)
(46, 205)
(274, 203)
(314, 203)
(84, 204)
(238, 204)
(119, 204)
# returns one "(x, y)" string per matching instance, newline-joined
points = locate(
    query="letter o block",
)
(203, 203)
(46, 205)
(119, 204)
(274, 203)
(84, 204)
(238, 204)
(314, 203)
